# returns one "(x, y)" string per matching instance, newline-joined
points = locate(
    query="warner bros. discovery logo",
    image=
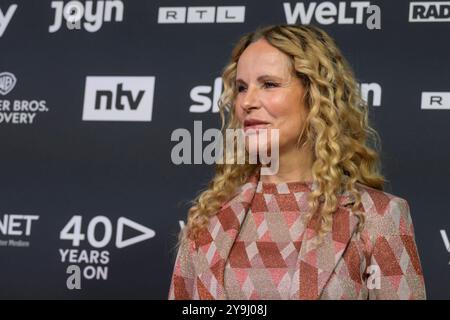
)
(7, 82)
(118, 98)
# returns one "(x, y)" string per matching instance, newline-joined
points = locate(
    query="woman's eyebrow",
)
(260, 78)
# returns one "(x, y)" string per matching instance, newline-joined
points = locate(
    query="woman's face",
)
(269, 96)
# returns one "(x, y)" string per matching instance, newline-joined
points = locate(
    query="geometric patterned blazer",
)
(381, 262)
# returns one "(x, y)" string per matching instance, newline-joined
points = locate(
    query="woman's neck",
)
(294, 165)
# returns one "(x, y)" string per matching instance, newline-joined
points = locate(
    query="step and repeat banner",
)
(92, 91)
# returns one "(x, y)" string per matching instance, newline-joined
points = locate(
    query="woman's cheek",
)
(239, 113)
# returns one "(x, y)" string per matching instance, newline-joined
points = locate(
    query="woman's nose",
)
(251, 99)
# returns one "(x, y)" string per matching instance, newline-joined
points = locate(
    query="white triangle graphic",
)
(147, 233)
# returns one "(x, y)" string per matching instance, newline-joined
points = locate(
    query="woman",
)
(321, 227)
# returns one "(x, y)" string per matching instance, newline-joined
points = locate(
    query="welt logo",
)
(118, 98)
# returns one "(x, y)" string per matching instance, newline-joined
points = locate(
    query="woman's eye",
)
(271, 84)
(240, 88)
(267, 84)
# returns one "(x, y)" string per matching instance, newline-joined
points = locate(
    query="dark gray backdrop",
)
(60, 166)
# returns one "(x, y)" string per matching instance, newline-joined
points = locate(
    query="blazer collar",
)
(315, 265)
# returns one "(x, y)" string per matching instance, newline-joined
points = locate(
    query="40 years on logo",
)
(93, 264)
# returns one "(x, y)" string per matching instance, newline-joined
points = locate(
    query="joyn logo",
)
(7, 82)
(74, 11)
(432, 11)
(231, 14)
(435, 100)
(5, 18)
(118, 98)
(326, 13)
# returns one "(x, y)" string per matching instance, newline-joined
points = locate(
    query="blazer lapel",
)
(315, 265)
(215, 244)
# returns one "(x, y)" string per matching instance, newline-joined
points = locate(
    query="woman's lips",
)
(254, 128)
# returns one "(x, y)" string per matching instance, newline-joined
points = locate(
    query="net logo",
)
(433, 11)
(74, 11)
(118, 98)
(5, 18)
(435, 100)
(328, 13)
(18, 227)
(221, 14)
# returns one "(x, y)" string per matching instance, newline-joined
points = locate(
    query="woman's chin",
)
(255, 149)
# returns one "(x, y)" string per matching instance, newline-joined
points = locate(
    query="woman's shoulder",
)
(385, 211)
(378, 199)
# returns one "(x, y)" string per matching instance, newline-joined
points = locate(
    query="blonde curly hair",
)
(337, 128)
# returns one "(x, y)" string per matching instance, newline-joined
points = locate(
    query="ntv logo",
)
(326, 13)
(74, 11)
(118, 98)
